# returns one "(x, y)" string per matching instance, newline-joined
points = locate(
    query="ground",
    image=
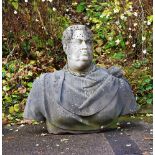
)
(129, 138)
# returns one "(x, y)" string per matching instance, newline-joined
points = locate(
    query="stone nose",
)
(84, 45)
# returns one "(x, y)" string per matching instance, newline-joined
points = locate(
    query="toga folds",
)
(75, 104)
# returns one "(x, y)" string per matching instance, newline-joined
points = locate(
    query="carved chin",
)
(85, 58)
(83, 63)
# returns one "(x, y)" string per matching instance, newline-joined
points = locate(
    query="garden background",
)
(32, 32)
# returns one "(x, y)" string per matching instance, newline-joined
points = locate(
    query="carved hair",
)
(68, 33)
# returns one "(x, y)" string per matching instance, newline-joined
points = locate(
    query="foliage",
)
(32, 43)
(30, 47)
(141, 81)
(123, 37)
(39, 30)
(81, 7)
(17, 82)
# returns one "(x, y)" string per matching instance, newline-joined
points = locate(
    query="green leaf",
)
(50, 42)
(98, 7)
(10, 117)
(30, 73)
(147, 80)
(101, 35)
(34, 122)
(149, 87)
(30, 84)
(81, 7)
(122, 44)
(110, 44)
(38, 41)
(16, 107)
(3, 115)
(32, 62)
(12, 69)
(149, 101)
(3, 74)
(118, 56)
(96, 20)
(14, 96)
(25, 45)
(6, 88)
(15, 5)
(11, 110)
(150, 18)
(8, 99)
(35, 6)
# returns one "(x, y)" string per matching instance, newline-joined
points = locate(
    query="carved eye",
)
(78, 41)
(88, 41)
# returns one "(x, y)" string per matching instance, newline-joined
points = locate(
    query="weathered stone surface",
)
(81, 97)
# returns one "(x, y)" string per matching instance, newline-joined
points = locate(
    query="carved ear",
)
(65, 47)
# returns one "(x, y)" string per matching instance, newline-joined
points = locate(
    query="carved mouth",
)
(85, 53)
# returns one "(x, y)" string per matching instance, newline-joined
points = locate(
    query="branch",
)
(42, 21)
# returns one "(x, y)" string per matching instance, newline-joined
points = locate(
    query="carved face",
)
(79, 50)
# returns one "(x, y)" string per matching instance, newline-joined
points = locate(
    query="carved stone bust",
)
(81, 97)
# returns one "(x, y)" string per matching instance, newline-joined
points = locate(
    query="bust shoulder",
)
(54, 76)
(102, 70)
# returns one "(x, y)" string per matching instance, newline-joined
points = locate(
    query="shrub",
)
(123, 37)
(31, 46)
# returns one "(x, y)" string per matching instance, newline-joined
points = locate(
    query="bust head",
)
(77, 44)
